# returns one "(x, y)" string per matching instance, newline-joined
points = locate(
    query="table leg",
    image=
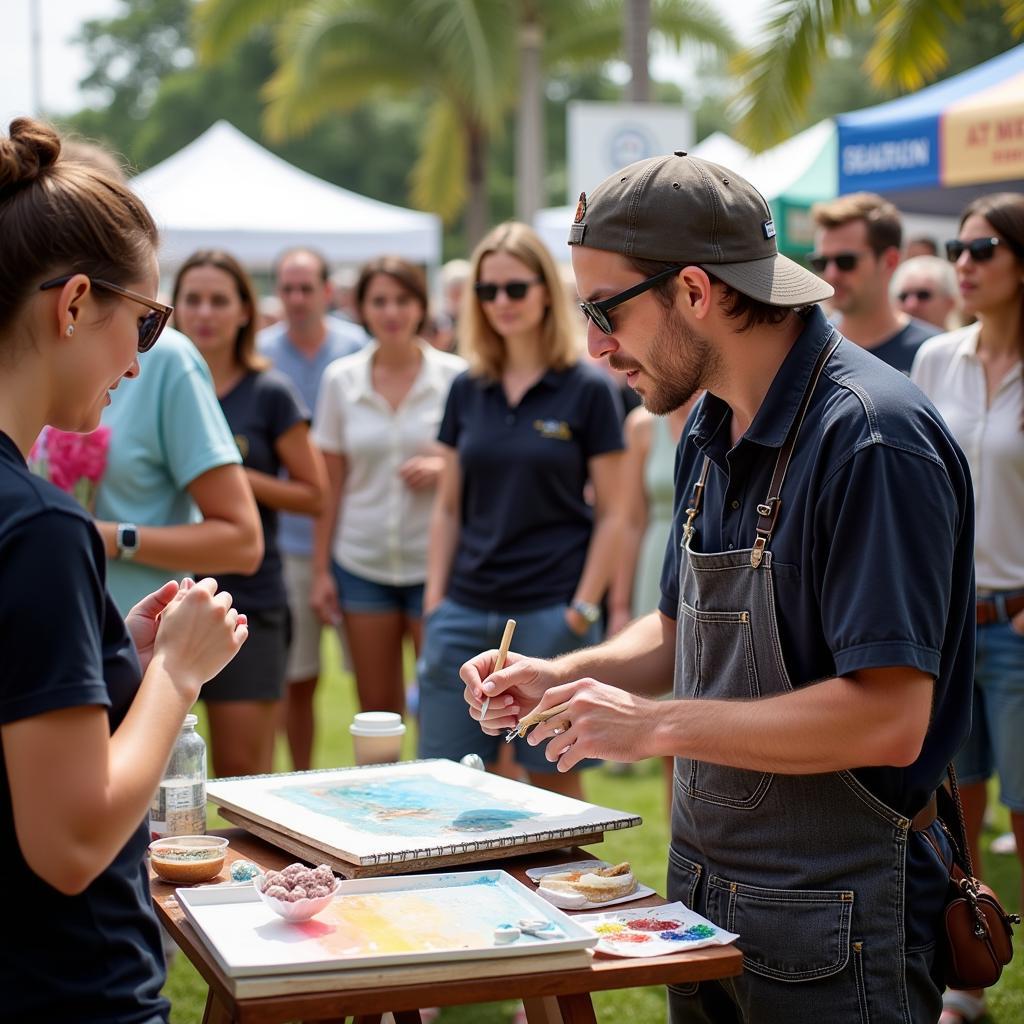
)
(367, 1018)
(577, 1009)
(407, 1016)
(542, 1010)
(216, 1012)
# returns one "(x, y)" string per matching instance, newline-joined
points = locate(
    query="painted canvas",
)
(670, 928)
(379, 922)
(410, 810)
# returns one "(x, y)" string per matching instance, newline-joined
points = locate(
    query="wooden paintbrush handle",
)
(536, 717)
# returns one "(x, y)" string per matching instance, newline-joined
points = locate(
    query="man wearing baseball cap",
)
(816, 615)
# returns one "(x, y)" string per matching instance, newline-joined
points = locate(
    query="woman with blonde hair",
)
(216, 308)
(525, 430)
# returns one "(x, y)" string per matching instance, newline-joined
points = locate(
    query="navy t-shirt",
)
(899, 350)
(525, 525)
(96, 956)
(872, 554)
(259, 409)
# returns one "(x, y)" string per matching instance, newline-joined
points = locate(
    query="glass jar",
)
(179, 804)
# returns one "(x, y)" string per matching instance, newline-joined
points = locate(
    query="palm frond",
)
(692, 22)
(1013, 15)
(909, 48)
(438, 178)
(220, 25)
(777, 73)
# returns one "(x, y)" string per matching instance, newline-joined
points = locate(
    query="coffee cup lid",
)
(377, 723)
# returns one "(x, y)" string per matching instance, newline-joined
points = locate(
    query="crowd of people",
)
(414, 481)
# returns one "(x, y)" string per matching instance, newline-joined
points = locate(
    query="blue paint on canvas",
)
(404, 807)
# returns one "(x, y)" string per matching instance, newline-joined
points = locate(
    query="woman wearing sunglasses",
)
(513, 534)
(90, 703)
(215, 307)
(974, 377)
(376, 420)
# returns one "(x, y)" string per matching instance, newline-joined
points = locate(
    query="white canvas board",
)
(376, 922)
(411, 810)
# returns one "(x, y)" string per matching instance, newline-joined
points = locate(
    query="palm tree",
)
(908, 51)
(336, 54)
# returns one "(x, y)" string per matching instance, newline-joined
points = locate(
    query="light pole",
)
(35, 57)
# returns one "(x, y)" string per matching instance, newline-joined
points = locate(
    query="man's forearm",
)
(639, 659)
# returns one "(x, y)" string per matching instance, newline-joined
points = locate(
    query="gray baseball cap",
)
(681, 209)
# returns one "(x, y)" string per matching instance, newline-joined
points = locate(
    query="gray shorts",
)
(304, 650)
(257, 671)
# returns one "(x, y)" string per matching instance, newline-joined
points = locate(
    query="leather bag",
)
(978, 937)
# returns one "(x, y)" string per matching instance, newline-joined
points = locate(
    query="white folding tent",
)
(223, 190)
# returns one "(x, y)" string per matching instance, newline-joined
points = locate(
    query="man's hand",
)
(601, 721)
(513, 691)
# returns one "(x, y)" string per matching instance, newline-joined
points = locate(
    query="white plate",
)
(536, 874)
(684, 930)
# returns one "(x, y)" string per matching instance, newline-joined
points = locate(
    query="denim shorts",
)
(452, 635)
(358, 594)
(997, 722)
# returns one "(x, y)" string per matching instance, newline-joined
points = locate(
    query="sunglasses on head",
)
(921, 294)
(486, 291)
(981, 249)
(150, 326)
(844, 261)
(597, 312)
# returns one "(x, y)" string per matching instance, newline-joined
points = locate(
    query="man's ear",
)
(694, 292)
(890, 258)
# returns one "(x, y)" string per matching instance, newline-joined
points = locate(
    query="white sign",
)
(604, 137)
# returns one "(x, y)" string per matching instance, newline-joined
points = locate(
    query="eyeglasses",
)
(597, 312)
(921, 294)
(151, 324)
(515, 290)
(844, 261)
(981, 249)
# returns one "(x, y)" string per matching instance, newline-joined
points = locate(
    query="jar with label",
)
(179, 805)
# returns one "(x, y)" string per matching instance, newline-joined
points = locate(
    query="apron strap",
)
(768, 511)
(695, 501)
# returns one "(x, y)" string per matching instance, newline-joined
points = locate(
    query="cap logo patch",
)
(769, 228)
(581, 209)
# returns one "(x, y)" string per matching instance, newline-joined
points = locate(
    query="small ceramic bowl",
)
(188, 859)
(300, 910)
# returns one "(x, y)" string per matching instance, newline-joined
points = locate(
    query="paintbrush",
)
(499, 662)
(534, 718)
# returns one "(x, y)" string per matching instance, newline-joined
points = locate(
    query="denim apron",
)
(808, 869)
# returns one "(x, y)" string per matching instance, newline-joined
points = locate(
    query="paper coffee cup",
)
(377, 737)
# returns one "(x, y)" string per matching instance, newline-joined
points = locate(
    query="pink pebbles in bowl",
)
(298, 893)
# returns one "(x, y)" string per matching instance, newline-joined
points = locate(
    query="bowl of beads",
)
(298, 893)
(188, 859)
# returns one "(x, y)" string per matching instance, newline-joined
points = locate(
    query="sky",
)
(63, 62)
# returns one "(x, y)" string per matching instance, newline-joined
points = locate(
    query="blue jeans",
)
(358, 594)
(452, 635)
(997, 714)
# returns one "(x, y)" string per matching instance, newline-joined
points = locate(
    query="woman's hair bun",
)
(30, 149)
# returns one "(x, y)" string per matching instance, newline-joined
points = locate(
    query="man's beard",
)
(679, 363)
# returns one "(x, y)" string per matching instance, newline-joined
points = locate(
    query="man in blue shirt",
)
(816, 623)
(302, 346)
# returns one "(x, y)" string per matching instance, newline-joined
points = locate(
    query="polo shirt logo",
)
(557, 430)
(243, 445)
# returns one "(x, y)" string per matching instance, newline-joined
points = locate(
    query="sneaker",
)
(1006, 843)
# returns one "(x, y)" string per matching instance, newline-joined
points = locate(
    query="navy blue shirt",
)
(872, 554)
(94, 957)
(259, 409)
(525, 525)
(899, 350)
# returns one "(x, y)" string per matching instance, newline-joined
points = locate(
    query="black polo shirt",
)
(96, 956)
(872, 555)
(525, 525)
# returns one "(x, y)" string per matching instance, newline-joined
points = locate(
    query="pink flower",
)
(72, 462)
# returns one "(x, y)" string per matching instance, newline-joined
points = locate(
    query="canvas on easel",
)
(411, 811)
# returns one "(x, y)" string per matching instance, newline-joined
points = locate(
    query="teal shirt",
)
(166, 429)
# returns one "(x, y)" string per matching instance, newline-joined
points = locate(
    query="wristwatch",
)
(591, 613)
(127, 538)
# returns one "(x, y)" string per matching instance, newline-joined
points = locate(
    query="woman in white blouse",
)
(376, 420)
(974, 377)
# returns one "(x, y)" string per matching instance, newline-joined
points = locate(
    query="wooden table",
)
(549, 996)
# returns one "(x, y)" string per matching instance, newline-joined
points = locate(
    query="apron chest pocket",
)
(785, 934)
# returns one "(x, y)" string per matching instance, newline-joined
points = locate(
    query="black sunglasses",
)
(921, 294)
(844, 261)
(515, 290)
(597, 312)
(981, 249)
(150, 326)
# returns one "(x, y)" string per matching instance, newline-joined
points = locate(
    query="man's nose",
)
(600, 344)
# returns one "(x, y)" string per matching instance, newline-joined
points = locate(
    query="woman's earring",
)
(70, 330)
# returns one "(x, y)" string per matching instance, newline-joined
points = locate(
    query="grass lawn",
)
(641, 792)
